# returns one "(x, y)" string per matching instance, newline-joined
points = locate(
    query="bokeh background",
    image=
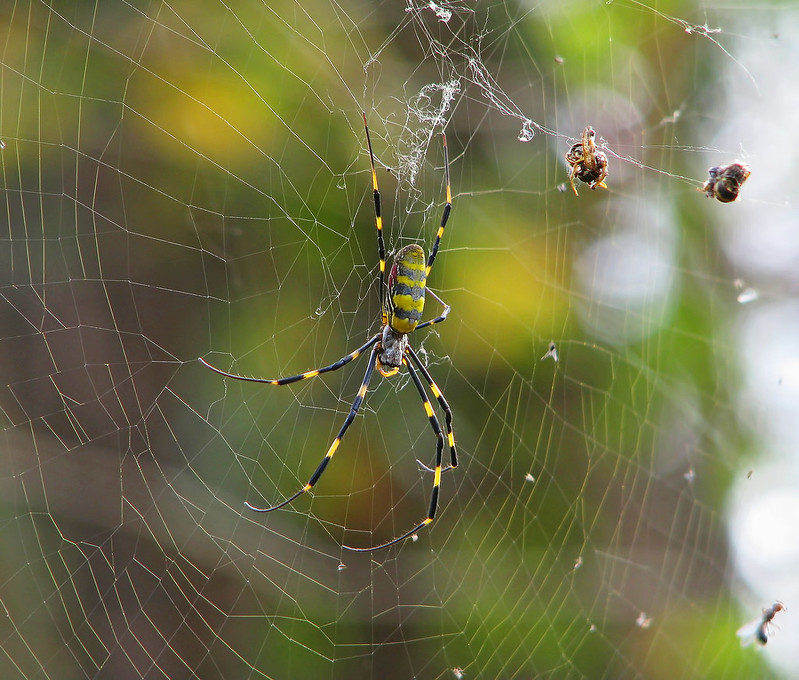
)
(191, 179)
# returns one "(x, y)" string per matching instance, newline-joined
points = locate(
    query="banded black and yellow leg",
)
(439, 395)
(431, 513)
(447, 209)
(381, 245)
(441, 317)
(302, 376)
(356, 405)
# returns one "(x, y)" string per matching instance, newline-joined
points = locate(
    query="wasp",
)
(586, 162)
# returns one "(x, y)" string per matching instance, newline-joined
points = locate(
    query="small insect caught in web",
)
(724, 182)
(760, 628)
(586, 162)
(552, 352)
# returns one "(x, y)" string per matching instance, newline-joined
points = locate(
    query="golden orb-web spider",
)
(402, 303)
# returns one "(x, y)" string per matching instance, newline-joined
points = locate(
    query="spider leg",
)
(441, 317)
(447, 209)
(350, 417)
(381, 245)
(439, 395)
(431, 513)
(302, 376)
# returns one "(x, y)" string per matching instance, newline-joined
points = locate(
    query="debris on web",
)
(429, 107)
(443, 10)
(491, 90)
(442, 13)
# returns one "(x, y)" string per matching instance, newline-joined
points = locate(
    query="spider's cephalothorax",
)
(402, 304)
(586, 162)
(391, 351)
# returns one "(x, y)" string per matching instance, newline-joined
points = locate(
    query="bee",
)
(724, 182)
(587, 163)
(759, 628)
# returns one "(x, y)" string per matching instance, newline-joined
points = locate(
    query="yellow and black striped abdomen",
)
(406, 284)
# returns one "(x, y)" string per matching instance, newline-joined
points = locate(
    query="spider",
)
(725, 182)
(587, 163)
(402, 303)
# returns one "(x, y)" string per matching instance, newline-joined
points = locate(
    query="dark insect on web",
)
(759, 629)
(402, 303)
(586, 162)
(724, 182)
